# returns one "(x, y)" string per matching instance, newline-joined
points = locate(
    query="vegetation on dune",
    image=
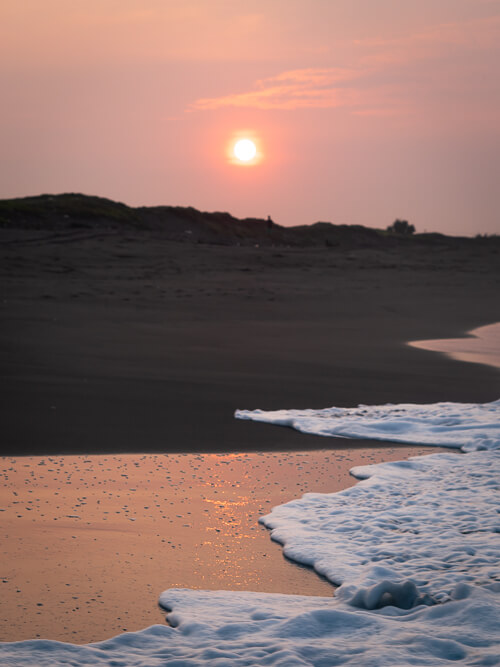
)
(69, 209)
(402, 227)
(71, 213)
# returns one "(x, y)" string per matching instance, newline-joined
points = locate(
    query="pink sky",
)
(364, 110)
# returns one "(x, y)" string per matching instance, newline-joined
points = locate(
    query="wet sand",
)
(480, 346)
(89, 543)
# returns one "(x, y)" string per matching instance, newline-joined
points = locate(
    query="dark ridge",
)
(72, 212)
(63, 211)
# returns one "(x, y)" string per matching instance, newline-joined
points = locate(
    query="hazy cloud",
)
(475, 35)
(383, 77)
(294, 89)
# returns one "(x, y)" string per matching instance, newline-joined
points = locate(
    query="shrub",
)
(401, 227)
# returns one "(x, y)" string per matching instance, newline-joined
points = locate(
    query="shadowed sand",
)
(131, 343)
(89, 543)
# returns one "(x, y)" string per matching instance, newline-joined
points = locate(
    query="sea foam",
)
(410, 533)
(414, 547)
(468, 426)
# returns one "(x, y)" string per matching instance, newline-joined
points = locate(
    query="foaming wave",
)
(468, 426)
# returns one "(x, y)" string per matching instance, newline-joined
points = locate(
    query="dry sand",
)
(89, 543)
(127, 343)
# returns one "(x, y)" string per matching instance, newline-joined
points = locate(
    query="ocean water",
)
(414, 547)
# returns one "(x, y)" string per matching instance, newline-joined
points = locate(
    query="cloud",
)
(386, 75)
(294, 89)
(480, 35)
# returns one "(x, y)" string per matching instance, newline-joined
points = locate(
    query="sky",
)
(362, 111)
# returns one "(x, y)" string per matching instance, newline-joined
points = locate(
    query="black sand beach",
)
(126, 341)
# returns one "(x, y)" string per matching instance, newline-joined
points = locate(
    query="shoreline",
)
(90, 542)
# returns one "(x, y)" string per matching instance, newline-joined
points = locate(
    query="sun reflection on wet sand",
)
(89, 542)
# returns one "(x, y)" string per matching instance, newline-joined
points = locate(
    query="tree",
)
(401, 227)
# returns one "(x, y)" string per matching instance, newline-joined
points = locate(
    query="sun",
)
(245, 150)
